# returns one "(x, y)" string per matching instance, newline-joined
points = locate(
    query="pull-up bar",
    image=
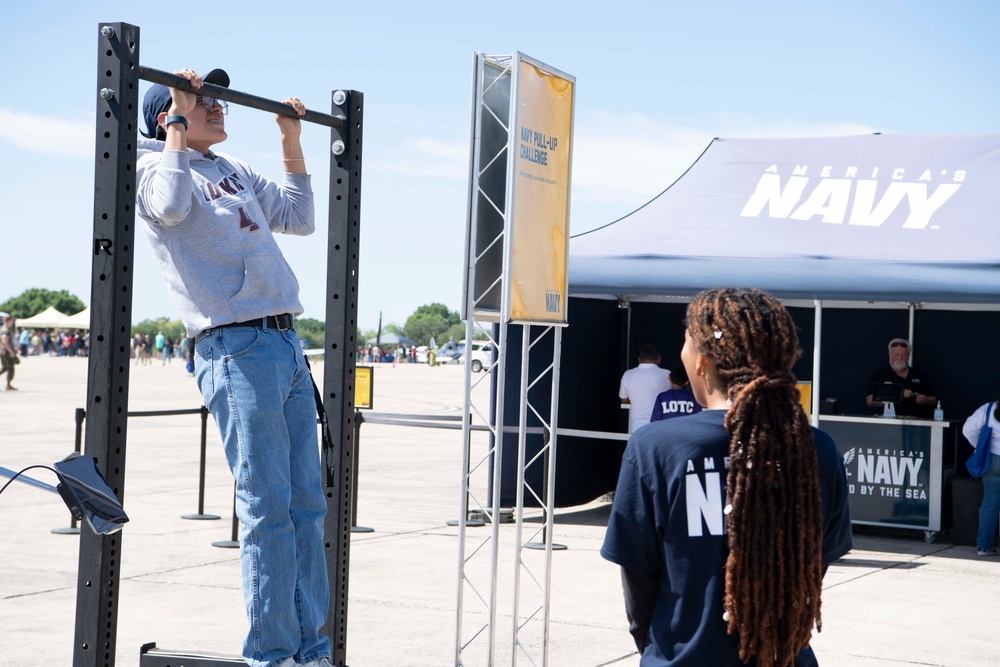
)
(238, 97)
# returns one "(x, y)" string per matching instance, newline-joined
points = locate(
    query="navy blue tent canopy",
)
(860, 218)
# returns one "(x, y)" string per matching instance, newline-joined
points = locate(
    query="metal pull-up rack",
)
(117, 99)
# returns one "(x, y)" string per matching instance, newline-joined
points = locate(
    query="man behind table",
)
(918, 397)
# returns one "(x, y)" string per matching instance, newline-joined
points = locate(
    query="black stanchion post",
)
(78, 441)
(74, 529)
(355, 528)
(234, 541)
(201, 473)
(545, 495)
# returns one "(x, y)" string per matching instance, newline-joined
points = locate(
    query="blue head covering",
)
(157, 99)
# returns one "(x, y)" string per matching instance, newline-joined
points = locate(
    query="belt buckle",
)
(280, 319)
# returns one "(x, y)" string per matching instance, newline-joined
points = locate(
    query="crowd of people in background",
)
(16, 344)
(74, 343)
(26, 342)
(34, 342)
(400, 354)
(161, 347)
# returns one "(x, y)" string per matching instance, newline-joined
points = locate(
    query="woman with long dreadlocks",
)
(724, 522)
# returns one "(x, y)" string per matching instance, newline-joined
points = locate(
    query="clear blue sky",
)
(655, 82)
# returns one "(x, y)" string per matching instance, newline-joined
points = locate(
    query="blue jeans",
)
(256, 384)
(989, 511)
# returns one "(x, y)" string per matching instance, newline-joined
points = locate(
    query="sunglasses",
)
(210, 102)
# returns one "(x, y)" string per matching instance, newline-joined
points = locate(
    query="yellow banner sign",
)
(363, 381)
(805, 396)
(543, 138)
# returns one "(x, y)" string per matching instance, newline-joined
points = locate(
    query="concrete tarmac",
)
(894, 600)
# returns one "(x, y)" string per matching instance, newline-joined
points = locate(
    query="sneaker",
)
(319, 662)
(989, 552)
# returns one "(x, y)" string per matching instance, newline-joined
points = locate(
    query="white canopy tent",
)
(47, 319)
(80, 320)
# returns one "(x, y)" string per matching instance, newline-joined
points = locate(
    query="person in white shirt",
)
(641, 385)
(990, 509)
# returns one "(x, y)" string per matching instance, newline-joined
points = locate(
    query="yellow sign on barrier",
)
(364, 377)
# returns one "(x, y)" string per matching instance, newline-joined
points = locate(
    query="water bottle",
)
(938, 412)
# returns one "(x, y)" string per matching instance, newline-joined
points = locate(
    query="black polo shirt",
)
(915, 381)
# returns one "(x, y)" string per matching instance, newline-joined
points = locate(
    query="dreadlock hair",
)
(774, 525)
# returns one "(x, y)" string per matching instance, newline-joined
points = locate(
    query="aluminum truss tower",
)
(479, 607)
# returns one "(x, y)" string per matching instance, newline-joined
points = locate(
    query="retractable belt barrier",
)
(433, 421)
(80, 415)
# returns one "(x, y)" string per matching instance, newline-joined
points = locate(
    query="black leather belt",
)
(282, 322)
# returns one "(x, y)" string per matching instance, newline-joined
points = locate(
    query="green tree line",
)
(433, 320)
(32, 301)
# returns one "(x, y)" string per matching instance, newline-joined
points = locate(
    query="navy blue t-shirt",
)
(667, 521)
(674, 403)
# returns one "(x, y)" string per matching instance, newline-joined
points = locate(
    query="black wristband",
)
(170, 120)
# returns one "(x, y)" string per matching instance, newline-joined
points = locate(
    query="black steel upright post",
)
(338, 371)
(117, 95)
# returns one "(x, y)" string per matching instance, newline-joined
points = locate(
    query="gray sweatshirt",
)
(210, 220)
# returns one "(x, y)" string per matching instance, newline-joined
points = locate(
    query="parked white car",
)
(454, 353)
(481, 355)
